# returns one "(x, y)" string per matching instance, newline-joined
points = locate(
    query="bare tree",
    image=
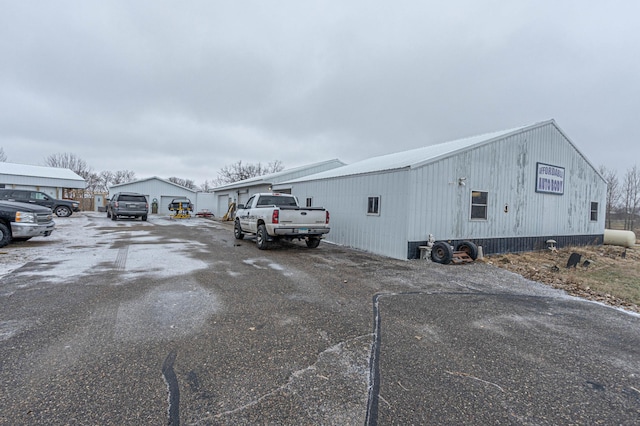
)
(238, 171)
(207, 186)
(108, 178)
(187, 183)
(3, 156)
(614, 192)
(631, 196)
(70, 161)
(94, 183)
(123, 176)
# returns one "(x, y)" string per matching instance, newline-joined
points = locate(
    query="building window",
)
(479, 205)
(309, 202)
(594, 212)
(373, 206)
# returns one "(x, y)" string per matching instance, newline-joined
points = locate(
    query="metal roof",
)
(273, 177)
(415, 157)
(38, 171)
(117, 185)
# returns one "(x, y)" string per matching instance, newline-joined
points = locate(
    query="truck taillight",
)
(327, 220)
(116, 204)
(275, 216)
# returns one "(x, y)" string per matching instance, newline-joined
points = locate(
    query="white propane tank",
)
(615, 237)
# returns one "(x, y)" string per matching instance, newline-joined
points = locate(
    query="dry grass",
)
(611, 277)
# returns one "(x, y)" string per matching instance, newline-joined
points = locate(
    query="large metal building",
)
(239, 192)
(506, 191)
(159, 190)
(53, 181)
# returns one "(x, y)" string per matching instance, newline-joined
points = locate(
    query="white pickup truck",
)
(273, 216)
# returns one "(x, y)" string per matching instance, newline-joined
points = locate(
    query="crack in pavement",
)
(295, 376)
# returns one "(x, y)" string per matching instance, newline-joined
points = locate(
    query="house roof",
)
(419, 156)
(277, 176)
(152, 178)
(38, 171)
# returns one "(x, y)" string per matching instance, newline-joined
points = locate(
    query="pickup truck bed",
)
(271, 217)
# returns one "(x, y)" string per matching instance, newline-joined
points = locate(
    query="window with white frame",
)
(309, 202)
(594, 212)
(373, 205)
(479, 205)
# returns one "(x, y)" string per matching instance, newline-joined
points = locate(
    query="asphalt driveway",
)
(175, 322)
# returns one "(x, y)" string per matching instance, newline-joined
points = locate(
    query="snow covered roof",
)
(281, 175)
(150, 179)
(38, 171)
(415, 157)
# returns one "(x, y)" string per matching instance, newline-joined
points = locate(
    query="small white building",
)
(239, 192)
(507, 191)
(53, 181)
(158, 190)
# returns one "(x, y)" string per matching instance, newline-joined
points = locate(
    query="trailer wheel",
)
(441, 252)
(470, 248)
(261, 237)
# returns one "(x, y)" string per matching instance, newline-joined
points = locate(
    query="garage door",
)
(223, 205)
(164, 205)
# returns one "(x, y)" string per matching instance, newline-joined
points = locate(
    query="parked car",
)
(272, 217)
(128, 204)
(62, 208)
(180, 204)
(20, 222)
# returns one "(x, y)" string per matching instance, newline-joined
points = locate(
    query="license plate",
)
(303, 230)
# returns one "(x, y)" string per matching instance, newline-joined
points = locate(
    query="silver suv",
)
(128, 204)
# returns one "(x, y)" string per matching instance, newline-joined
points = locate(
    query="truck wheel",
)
(62, 211)
(237, 230)
(470, 248)
(108, 214)
(441, 252)
(114, 216)
(144, 218)
(261, 237)
(313, 242)
(5, 235)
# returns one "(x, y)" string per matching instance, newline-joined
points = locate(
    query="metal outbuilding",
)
(161, 190)
(506, 191)
(53, 181)
(239, 192)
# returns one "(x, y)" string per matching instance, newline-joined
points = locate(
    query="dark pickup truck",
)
(62, 208)
(20, 222)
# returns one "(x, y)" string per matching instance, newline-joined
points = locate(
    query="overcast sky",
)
(183, 88)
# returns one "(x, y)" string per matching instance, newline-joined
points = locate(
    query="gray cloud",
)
(165, 89)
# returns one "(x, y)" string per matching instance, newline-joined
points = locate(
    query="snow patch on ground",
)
(55, 258)
(166, 312)
(263, 263)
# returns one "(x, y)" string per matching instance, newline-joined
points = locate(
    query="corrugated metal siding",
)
(506, 170)
(428, 199)
(346, 199)
(156, 188)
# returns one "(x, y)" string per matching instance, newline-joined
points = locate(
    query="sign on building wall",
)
(549, 179)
